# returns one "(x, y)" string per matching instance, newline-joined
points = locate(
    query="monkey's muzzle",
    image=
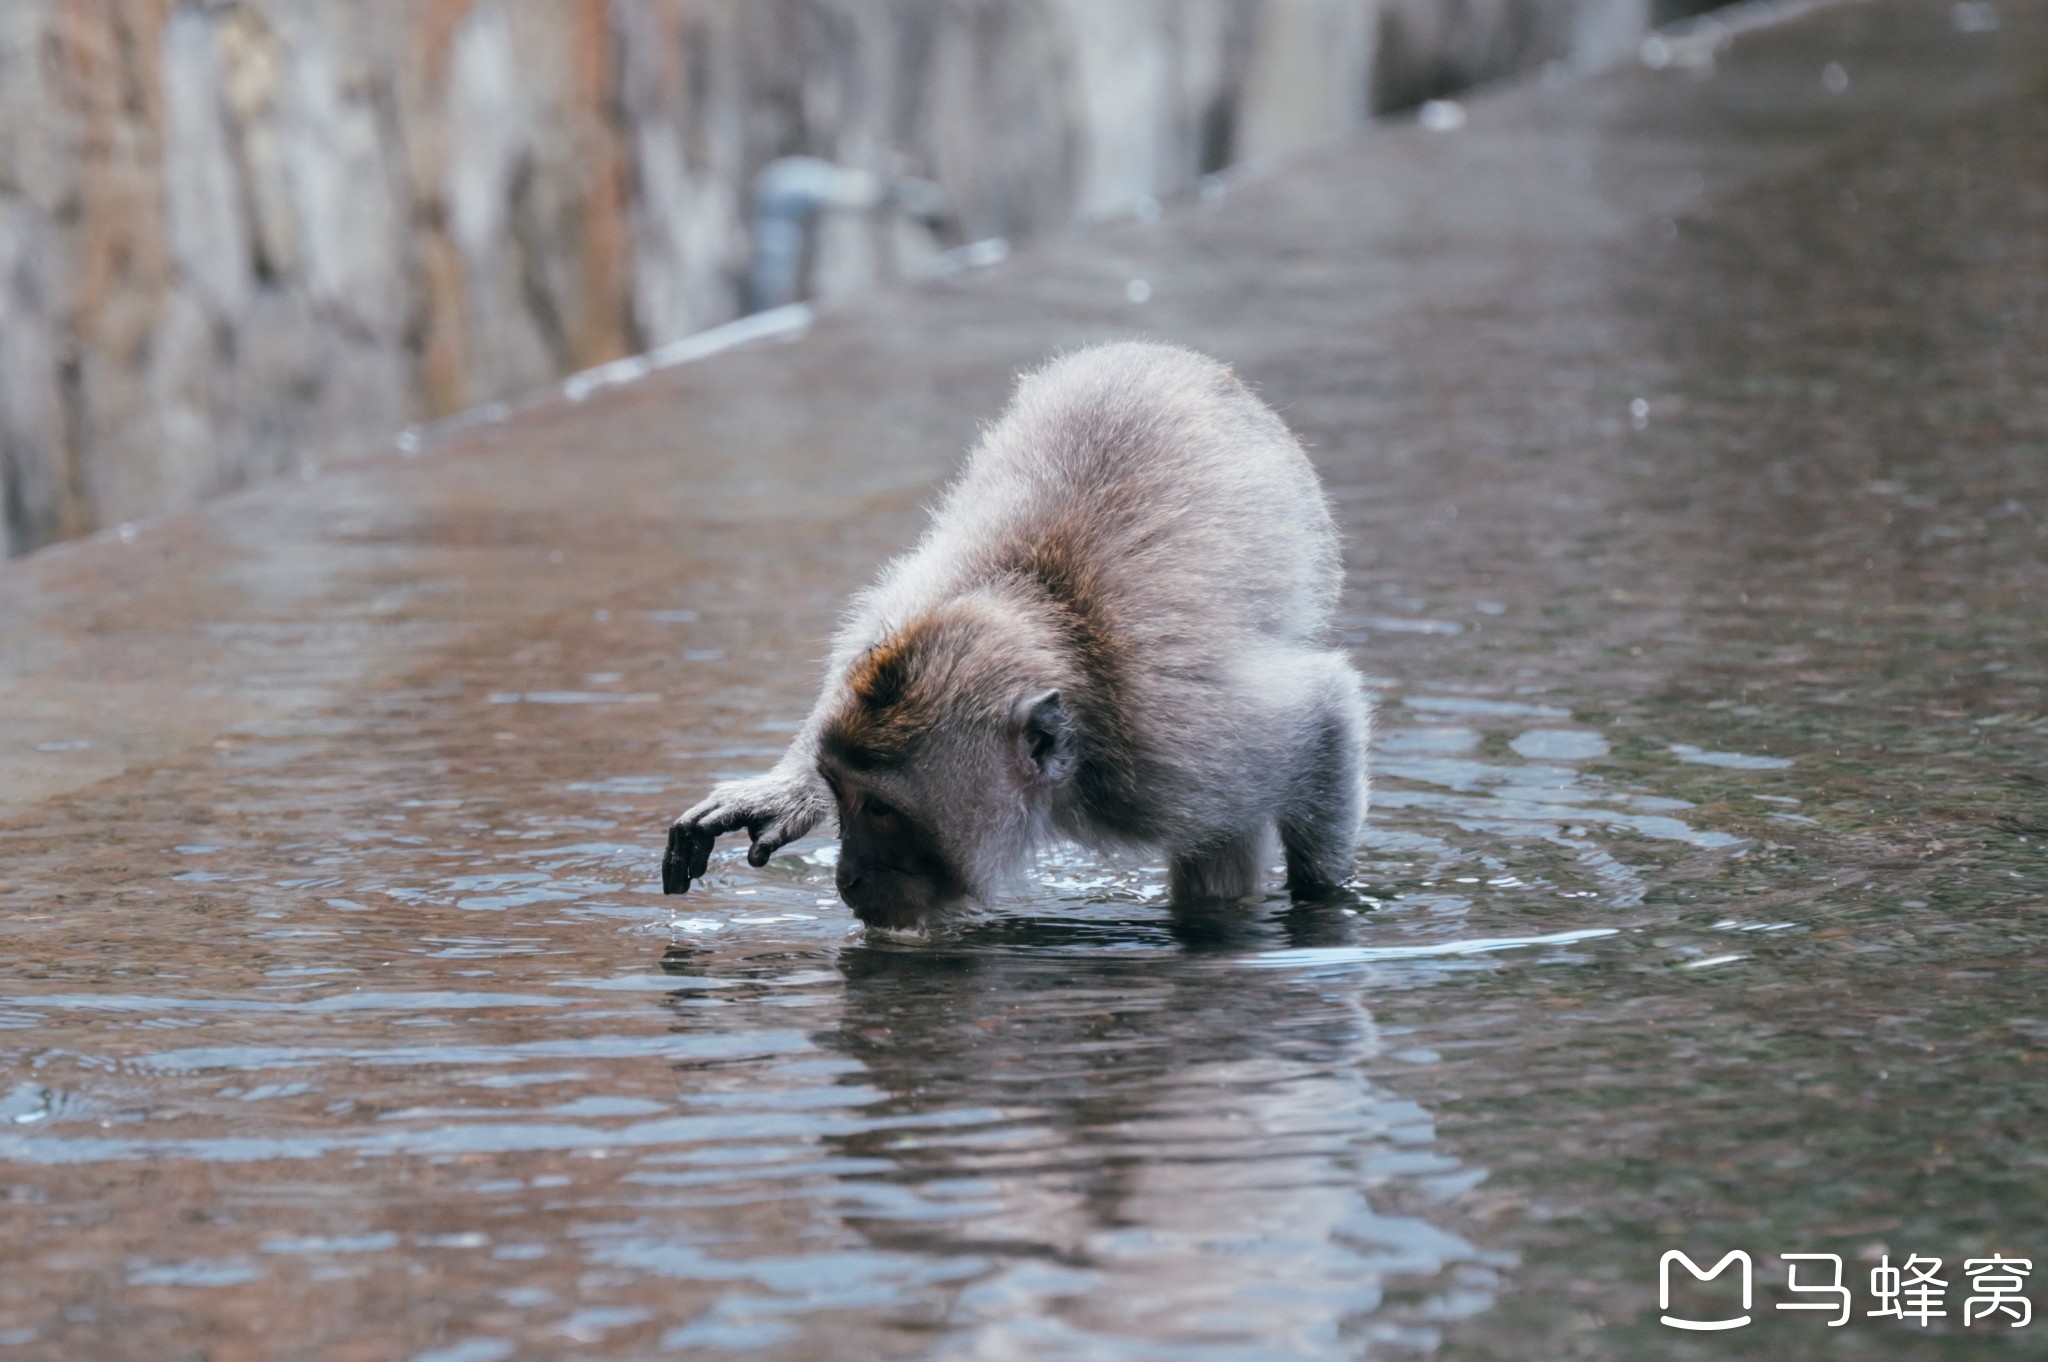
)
(885, 896)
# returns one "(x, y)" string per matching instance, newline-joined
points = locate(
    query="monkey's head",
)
(944, 759)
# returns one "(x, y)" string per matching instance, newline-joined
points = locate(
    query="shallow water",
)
(1701, 906)
(1073, 1125)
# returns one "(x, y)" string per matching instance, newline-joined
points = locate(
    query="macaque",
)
(1114, 631)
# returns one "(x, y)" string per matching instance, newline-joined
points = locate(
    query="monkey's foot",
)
(1315, 889)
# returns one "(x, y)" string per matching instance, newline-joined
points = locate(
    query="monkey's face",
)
(952, 817)
(894, 866)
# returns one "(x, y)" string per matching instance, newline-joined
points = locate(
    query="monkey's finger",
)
(768, 841)
(675, 877)
(777, 835)
(717, 816)
(688, 855)
(698, 858)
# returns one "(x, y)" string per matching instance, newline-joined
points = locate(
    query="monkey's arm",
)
(787, 802)
(775, 809)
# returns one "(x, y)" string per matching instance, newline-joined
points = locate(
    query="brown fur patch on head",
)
(900, 689)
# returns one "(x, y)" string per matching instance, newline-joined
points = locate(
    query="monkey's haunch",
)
(1115, 631)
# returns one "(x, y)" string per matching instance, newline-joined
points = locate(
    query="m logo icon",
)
(1664, 1288)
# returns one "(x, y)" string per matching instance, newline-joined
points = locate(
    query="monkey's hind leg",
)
(1320, 821)
(1221, 871)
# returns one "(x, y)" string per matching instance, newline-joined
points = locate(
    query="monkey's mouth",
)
(895, 903)
(894, 915)
(888, 888)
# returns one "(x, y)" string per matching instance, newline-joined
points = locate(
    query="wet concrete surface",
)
(1687, 427)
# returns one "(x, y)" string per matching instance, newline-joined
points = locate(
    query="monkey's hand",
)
(774, 809)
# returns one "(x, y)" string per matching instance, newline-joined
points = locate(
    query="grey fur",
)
(1115, 630)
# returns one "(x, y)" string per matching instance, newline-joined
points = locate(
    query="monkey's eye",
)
(875, 808)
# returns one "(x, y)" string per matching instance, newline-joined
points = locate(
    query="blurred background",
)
(235, 237)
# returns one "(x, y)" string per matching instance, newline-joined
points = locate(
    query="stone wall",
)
(237, 236)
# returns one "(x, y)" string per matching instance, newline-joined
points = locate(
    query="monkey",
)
(1115, 630)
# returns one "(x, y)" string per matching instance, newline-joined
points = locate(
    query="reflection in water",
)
(1102, 1127)
(1076, 1140)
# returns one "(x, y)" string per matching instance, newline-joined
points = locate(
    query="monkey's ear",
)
(1043, 731)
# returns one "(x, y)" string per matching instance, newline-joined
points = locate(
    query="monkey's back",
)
(1168, 533)
(1179, 502)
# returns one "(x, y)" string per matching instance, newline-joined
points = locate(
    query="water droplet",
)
(1441, 115)
(1138, 291)
(1639, 413)
(1834, 79)
(127, 532)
